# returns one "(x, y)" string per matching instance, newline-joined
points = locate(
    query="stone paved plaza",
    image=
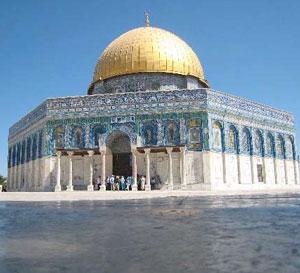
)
(125, 195)
(209, 234)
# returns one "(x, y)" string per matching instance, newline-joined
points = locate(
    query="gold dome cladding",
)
(148, 49)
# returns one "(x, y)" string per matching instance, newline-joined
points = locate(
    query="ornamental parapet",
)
(31, 118)
(240, 106)
(147, 103)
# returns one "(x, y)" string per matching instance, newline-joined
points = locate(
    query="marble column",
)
(90, 187)
(252, 169)
(148, 185)
(182, 166)
(58, 185)
(285, 171)
(170, 180)
(70, 184)
(103, 170)
(134, 169)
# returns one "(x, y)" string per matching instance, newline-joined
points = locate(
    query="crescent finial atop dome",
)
(147, 19)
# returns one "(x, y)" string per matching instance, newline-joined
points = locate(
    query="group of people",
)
(120, 183)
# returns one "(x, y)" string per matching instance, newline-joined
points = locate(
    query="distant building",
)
(150, 111)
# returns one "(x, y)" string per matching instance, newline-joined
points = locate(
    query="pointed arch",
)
(34, 147)
(18, 154)
(149, 132)
(290, 148)
(59, 133)
(172, 132)
(78, 137)
(280, 147)
(28, 149)
(23, 148)
(97, 131)
(270, 145)
(246, 141)
(40, 144)
(217, 136)
(259, 143)
(9, 157)
(233, 143)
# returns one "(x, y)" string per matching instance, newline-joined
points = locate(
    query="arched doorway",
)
(119, 144)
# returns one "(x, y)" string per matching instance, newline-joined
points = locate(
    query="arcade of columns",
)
(134, 152)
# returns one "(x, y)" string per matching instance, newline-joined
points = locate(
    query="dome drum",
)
(145, 82)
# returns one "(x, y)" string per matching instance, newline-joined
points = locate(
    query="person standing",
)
(143, 181)
(98, 183)
(107, 181)
(128, 183)
(122, 183)
(117, 183)
(112, 182)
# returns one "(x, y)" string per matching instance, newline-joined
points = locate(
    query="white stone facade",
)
(202, 171)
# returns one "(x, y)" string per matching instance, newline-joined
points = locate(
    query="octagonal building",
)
(151, 116)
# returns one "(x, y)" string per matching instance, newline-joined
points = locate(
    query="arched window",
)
(34, 147)
(40, 145)
(14, 155)
(97, 132)
(9, 157)
(280, 146)
(233, 139)
(217, 136)
(290, 148)
(270, 145)
(172, 133)
(28, 149)
(18, 153)
(149, 131)
(246, 141)
(23, 152)
(59, 137)
(195, 132)
(259, 143)
(78, 137)
(148, 136)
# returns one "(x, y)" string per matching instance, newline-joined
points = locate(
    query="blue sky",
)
(50, 48)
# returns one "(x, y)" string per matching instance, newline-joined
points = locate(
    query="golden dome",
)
(148, 49)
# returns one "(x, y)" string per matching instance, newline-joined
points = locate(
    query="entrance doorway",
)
(122, 164)
(119, 144)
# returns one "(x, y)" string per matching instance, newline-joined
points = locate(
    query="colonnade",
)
(134, 152)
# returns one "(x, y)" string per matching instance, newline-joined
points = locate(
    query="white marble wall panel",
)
(290, 172)
(207, 165)
(231, 169)
(176, 169)
(297, 172)
(280, 171)
(201, 168)
(194, 168)
(217, 178)
(269, 170)
(245, 167)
